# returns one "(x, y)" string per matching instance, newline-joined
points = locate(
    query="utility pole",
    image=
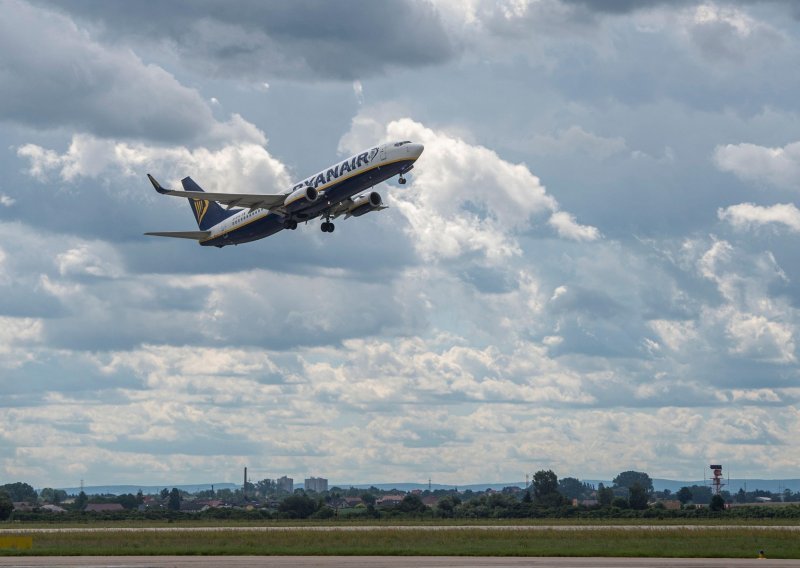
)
(244, 487)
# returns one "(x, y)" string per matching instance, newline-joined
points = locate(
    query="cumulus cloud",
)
(73, 81)
(772, 166)
(243, 164)
(464, 198)
(750, 215)
(568, 228)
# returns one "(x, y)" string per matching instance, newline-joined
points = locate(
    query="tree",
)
(628, 478)
(701, 495)
(298, 506)
(129, 501)
(411, 503)
(717, 503)
(684, 495)
(6, 506)
(545, 488)
(368, 498)
(80, 501)
(572, 488)
(174, 503)
(637, 497)
(605, 495)
(164, 493)
(741, 496)
(620, 503)
(50, 495)
(20, 492)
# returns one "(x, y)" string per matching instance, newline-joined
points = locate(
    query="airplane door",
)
(383, 152)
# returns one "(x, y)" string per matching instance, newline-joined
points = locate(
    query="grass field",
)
(89, 522)
(698, 543)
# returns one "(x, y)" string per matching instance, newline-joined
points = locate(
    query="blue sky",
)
(593, 268)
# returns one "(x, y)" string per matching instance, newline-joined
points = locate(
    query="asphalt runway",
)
(381, 562)
(349, 528)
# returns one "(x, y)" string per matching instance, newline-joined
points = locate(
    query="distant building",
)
(285, 484)
(389, 500)
(353, 501)
(317, 484)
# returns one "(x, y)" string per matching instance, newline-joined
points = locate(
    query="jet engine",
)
(365, 204)
(300, 198)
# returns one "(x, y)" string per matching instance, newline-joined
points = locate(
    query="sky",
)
(594, 267)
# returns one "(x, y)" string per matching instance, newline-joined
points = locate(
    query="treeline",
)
(630, 495)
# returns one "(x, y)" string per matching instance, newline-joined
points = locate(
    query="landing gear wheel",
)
(294, 225)
(402, 180)
(331, 227)
(327, 227)
(289, 224)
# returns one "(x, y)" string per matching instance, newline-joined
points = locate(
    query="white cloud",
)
(568, 228)
(577, 140)
(773, 166)
(17, 336)
(6, 201)
(241, 164)
(749, 215)
(358, 91)
(464, 198)
(756, 337)
(728, 32)
(95, 259)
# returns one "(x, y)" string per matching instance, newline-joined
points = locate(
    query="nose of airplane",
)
(415, 150)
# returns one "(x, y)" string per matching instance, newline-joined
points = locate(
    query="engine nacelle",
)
(300, 198)
(365, 204)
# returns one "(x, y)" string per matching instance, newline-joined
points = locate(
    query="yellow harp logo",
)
(200, 208)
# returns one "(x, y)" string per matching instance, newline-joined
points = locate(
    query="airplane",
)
(335, 191)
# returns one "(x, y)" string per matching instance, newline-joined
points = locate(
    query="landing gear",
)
(327, 227)
(289, 224)
(401, 179)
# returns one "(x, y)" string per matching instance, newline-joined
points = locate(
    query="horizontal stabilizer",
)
(156, 185)
(194, 235)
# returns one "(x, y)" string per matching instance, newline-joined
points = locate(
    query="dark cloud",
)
(54, 75)
(313, 39)
(626, 6)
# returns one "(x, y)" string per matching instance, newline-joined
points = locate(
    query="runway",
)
(356, 528)
(380, 562)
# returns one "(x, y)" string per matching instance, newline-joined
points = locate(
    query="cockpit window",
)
(401, 143)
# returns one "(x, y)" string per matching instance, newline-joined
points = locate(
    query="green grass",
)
(93, 523)
(699, 543)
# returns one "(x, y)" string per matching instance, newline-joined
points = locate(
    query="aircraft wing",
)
(246, 200)
(194, 235)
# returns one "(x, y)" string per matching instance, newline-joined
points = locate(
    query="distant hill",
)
(424, 486)
(146, 489)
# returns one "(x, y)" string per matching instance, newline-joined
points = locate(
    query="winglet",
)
(156, 185)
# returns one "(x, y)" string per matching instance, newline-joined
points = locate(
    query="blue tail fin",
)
(207, 213)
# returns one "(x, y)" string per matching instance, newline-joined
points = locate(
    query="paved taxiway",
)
(382, 562)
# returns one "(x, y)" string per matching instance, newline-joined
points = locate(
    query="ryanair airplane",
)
(333, 192)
